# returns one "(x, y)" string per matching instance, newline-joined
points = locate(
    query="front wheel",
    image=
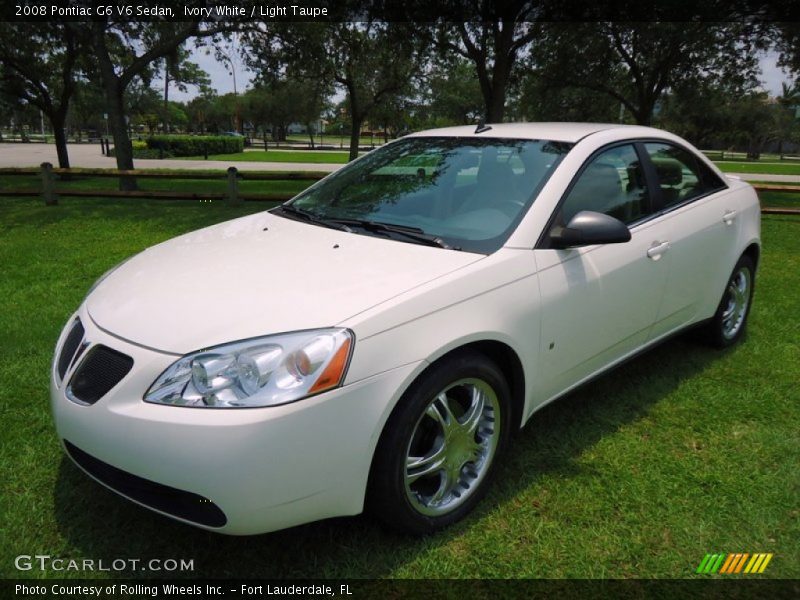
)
(727, 325)
(438, 449)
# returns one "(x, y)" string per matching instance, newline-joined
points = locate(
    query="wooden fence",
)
(50, 194)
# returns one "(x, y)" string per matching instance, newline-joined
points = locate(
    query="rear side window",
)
(680, 176)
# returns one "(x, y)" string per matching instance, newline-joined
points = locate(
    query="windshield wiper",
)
(413, 233)
(310, 217)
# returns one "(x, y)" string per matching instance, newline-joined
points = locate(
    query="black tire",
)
(410, 429)
(718, 332)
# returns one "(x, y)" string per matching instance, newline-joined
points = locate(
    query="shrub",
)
(150, 153)
(141, 150)
(195, 145)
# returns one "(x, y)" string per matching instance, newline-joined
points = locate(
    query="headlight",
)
(263, 371)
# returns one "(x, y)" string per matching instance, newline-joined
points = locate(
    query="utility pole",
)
(236, 119)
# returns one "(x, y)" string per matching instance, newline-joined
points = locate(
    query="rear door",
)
(692, 206)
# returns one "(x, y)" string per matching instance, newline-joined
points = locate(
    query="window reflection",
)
(470, 192)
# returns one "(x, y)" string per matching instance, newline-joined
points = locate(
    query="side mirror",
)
(589, 227)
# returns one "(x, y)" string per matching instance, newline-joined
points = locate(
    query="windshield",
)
(459, 193)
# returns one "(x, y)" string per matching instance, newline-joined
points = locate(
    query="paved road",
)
(88, 155)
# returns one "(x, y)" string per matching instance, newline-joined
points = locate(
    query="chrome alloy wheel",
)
(737, 300)
(452, 446)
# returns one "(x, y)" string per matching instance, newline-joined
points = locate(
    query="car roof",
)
(562, 132)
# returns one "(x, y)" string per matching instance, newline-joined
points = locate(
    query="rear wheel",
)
(727, 325)
(439, 448)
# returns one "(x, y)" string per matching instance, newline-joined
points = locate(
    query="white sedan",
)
(376, 341)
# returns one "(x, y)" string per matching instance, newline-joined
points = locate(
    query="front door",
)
(599, 302)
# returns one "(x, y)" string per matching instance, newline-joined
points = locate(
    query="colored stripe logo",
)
(730, 564)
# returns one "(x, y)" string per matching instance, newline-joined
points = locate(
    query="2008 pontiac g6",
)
(376, 340)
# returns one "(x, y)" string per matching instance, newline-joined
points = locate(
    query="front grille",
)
(74, 338)
(172, 501)
(101, 370)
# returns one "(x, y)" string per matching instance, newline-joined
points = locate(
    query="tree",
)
(755, 121)
(86, 109)
(39, 68)
(790, 96)
(703, 114)
(370, 61)
(453, 94)
(181, 72)
(125, 50)
(786, 37)
(540, 101)
(636, 63)
(278, 102)
(143, 107)
(493, 44)
(199, 111)
(16, 114)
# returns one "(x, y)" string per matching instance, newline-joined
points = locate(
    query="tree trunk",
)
(643, 117)
(355, 135)
(58, 121)
(356, 121)
(753, 149)
(644, 112)
(123, 149)
(114, 93)
(496, 102)
(497, 106)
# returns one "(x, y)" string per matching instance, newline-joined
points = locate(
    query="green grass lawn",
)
(287, 156)
(682, 451)
(198, 186)
(779, 199)
(330, 139)
(757, 167)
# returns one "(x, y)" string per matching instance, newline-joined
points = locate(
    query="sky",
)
(222, 81)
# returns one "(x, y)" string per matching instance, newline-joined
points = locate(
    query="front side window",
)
(469, 193)
(612, 183)
(681, 177)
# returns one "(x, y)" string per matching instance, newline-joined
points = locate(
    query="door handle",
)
(657, 249)
(729, 217)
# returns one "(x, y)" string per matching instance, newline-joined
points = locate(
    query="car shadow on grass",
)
(99, 524)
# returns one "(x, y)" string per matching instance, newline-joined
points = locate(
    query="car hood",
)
(255, 276)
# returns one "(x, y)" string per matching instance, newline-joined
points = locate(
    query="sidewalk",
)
(767, 177)
(89, 156)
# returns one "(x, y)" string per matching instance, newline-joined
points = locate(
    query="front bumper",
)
(264, 468)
